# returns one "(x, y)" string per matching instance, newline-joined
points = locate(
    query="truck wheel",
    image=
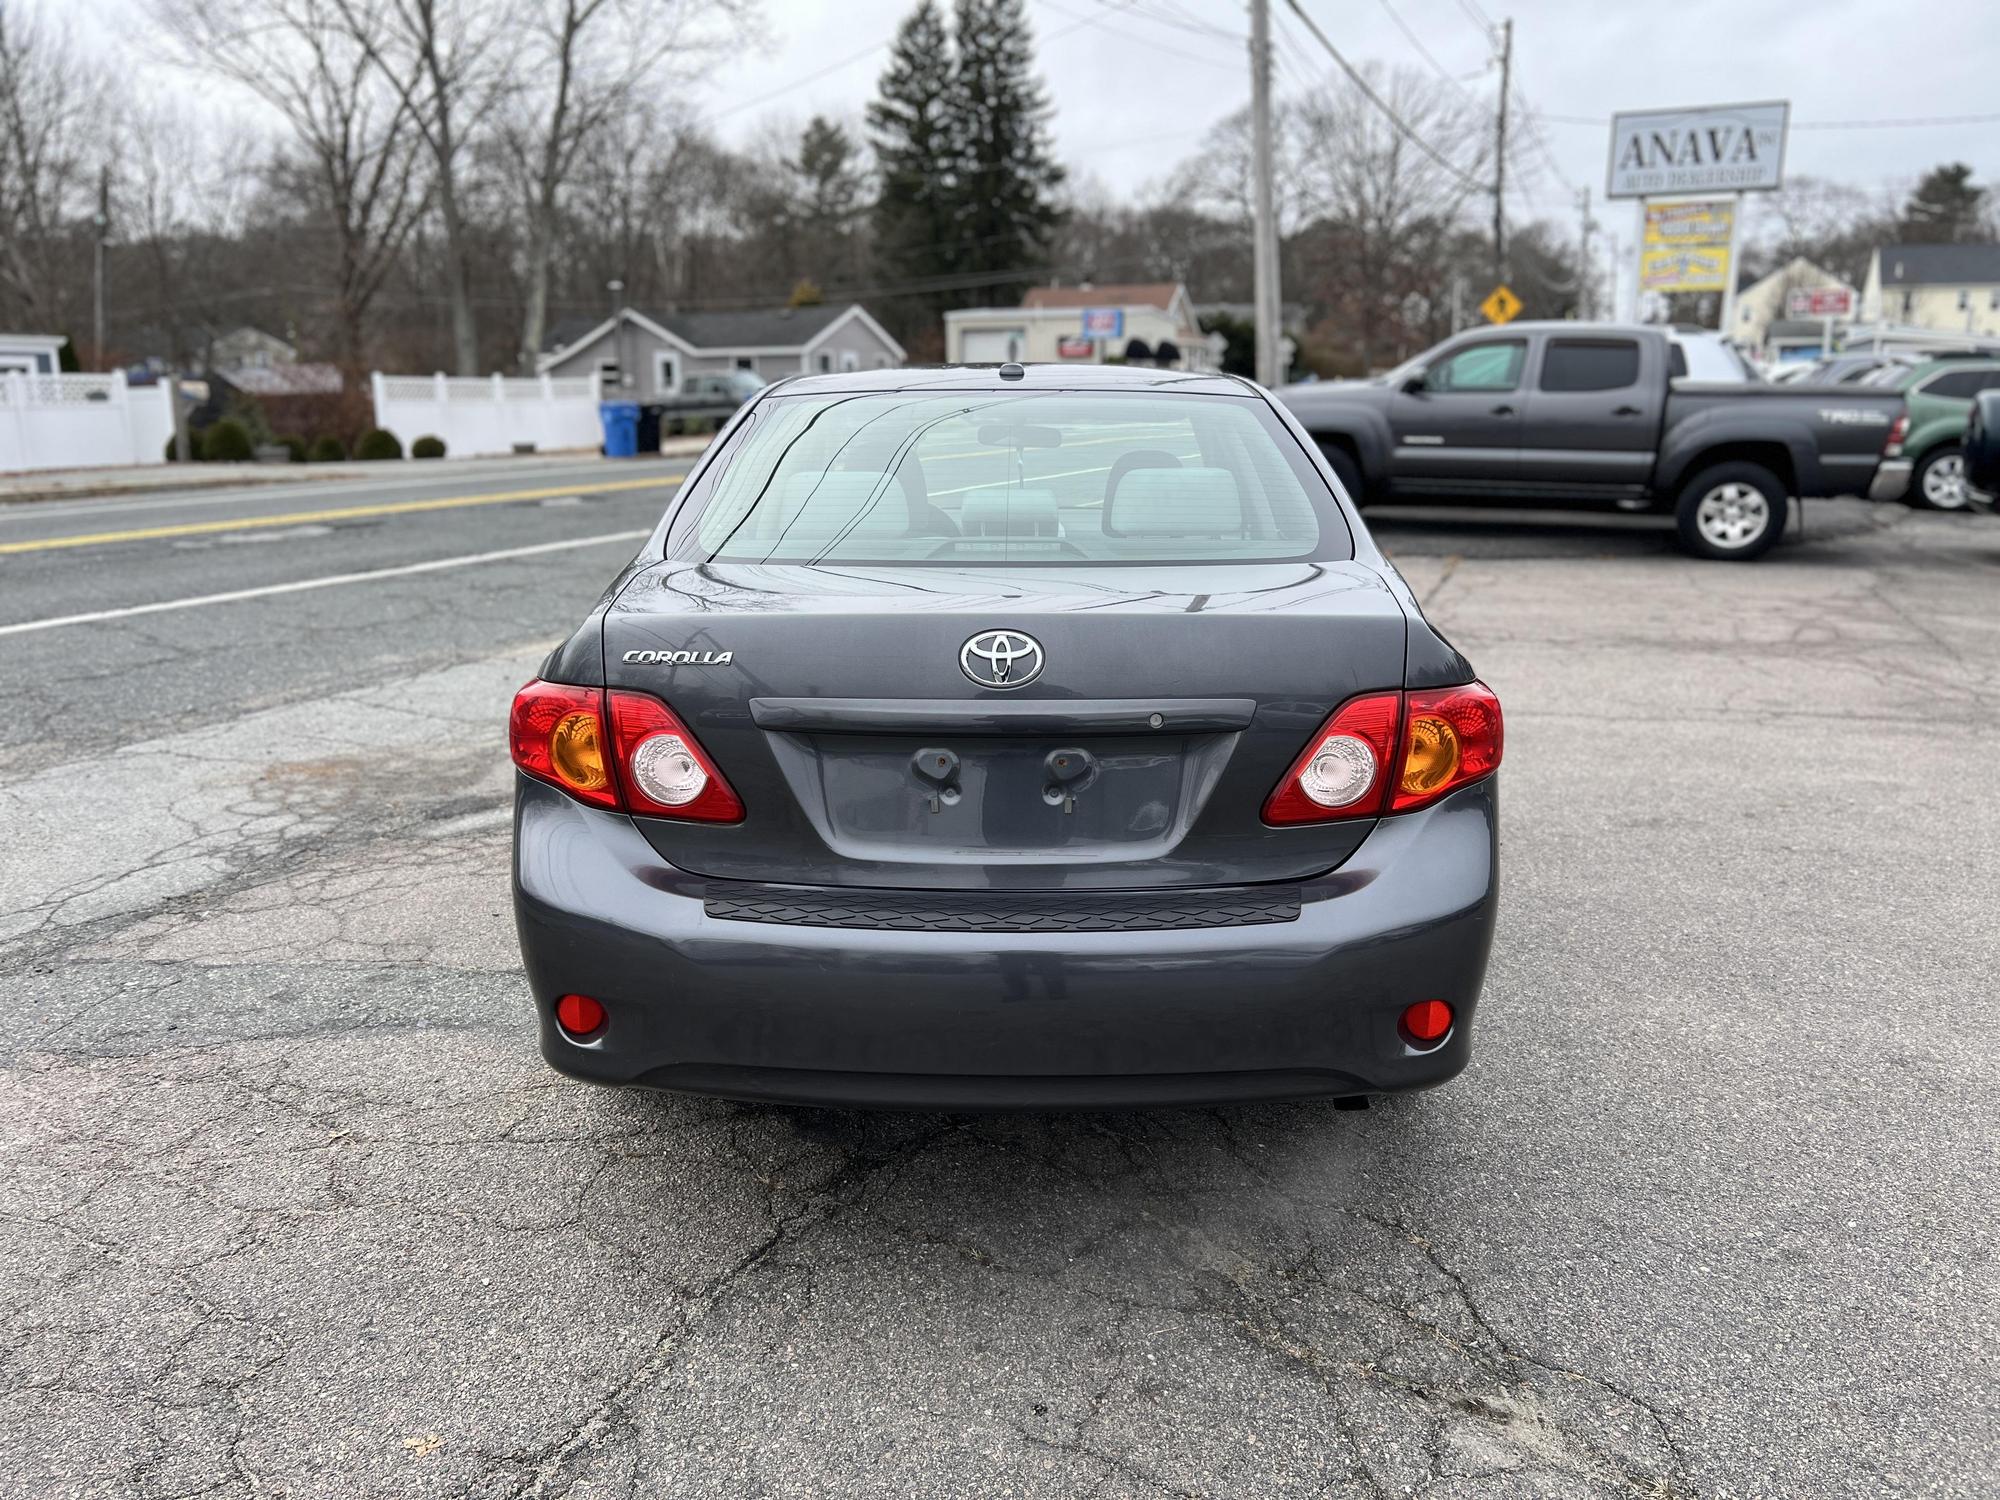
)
(1347, 472)
(1732, 512)
(1939, 482)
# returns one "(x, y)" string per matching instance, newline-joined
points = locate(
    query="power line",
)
(1361, 83)
(1417, 42)
(1103, 24)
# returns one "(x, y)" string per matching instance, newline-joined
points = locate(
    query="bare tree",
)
(359, 161)
(51, 106)
(450, 63)
(585, 65)
(1388, 209)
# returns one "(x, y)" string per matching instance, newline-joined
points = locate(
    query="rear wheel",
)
(1940, 480)
(1732, 512)
(1347, 471)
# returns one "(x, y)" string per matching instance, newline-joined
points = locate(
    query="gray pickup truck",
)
(1603, 413)
(707, 399)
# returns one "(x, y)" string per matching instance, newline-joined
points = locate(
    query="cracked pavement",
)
(290, 1206)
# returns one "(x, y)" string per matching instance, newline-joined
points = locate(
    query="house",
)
(1142, 323)
(645, 356)
(31, 353)
(1947, 288)
(247, 348)
(1760, 309)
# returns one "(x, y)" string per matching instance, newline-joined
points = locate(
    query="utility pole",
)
(1585, 290)
(103, 227)
(1264, 227)
(1500, 154)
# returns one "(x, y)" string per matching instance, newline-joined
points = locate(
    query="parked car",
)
(1982, 451)
(1928, 441)
(1858, 369)
(1593, 414)
(708, 398)
(1007, 737)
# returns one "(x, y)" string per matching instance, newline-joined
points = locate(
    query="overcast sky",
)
(1135, 83)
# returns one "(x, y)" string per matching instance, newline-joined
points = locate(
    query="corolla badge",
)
(683, 658)
(1001, 659)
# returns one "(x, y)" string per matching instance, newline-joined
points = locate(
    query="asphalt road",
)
(288, 1205)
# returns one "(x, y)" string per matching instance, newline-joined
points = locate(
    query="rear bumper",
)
(957, 1019)
(1892, 480)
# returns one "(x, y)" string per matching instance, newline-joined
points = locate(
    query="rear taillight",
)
(620, 750)
(1391, 752)
(663, 769)
(1345, 768)
(1898, 430)
(556, 734)
(1450, 736)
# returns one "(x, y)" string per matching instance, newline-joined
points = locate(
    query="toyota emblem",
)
(1001, 659)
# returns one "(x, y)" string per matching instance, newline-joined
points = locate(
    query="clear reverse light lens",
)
(667, 771)
(1340, 772)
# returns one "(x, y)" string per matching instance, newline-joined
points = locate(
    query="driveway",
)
(289, 1206)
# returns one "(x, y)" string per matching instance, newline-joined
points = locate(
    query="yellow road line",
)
(306, 517)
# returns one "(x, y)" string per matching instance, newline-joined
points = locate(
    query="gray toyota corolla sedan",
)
(1031, 736)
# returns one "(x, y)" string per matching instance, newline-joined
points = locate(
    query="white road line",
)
(331, 580)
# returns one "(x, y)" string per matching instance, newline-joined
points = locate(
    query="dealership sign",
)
(1820, 302)
(1103, 322)
(1686, 246)
(1075, 348)
(1720, 148)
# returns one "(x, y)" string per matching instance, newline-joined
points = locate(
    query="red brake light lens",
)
(556, 734)
(1344, 768)
(661, 766)
(1391, 752)
(1898, 430)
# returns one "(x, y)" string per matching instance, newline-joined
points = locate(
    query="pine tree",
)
(1947, 208)
(829, 184)
(1006, 210)
(912, 130)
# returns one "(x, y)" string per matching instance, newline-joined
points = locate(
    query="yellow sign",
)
(1686, 246)
(1501, 305)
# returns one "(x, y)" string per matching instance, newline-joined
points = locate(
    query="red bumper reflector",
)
(1427, 1021)
(579, 1015)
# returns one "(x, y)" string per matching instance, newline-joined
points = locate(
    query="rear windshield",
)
(1043, 478)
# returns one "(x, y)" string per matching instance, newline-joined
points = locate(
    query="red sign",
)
(1820, 302)
(1074, 348)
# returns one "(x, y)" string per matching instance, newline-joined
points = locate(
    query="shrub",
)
(226, 442)
(173, 453)
(377, 445)
(296, 446)
(327, 450)
(427, 447)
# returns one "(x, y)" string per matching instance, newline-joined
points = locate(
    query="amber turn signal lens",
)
(579, 1015)
(577, 754)
(1432, 757)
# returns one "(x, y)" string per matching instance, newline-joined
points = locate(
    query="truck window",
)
(1590, 365)
(1962, 384)
(1494, 366)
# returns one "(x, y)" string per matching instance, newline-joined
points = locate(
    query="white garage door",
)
(989, 346)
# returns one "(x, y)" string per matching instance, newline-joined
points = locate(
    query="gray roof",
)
(1939, 265)
(748, 328)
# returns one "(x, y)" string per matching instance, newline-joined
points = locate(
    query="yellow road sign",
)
(1501, 305)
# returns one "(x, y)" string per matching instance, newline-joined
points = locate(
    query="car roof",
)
(1037, 377)
(1959, 362)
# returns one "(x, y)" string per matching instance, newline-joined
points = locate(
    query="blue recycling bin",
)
(621, 428)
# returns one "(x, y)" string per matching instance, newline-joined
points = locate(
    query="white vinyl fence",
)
(81, 421)
(476, 415)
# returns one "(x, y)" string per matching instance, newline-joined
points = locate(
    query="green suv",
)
(1926, 441)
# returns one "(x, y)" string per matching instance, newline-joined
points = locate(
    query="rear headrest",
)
(1175, 502)
(1008, 512)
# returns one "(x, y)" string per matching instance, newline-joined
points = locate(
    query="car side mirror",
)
(1414, 385)
(1982, 443)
